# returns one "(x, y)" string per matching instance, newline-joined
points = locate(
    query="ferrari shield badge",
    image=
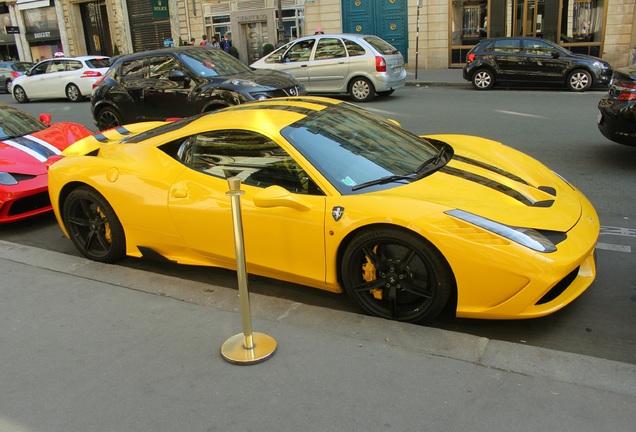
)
(337, 213)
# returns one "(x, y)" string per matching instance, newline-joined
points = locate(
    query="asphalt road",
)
(556, 127)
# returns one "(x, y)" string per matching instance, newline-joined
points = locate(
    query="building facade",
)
(431, 34)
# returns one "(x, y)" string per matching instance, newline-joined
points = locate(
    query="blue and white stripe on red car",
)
(41, 150)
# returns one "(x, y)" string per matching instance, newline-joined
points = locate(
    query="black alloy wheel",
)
(395, 274)
(93, 226)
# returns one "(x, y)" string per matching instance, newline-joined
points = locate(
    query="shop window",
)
(582, 21)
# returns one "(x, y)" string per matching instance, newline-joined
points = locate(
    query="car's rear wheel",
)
(73, 93)
(385, 93)
(93, 225)
(20, 95)
(395, 274)
(483, 79)
(579, 80)
(361, 90)
(107, 118)
(7, 86)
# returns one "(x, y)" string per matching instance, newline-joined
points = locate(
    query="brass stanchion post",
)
(247, 347)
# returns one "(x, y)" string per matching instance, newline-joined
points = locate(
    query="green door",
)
(384, 18)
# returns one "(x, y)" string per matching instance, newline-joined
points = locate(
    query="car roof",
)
(179, 49)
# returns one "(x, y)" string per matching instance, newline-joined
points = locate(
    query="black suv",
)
(535, 61)
(179, 82)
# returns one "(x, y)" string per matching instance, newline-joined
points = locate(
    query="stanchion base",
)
(234, 351)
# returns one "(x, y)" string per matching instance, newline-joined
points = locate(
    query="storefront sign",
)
(12, 29)
(160, 9)
(42, 35)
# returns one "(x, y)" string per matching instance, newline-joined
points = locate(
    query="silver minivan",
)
(360, 65)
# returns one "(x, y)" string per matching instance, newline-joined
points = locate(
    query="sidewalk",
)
(89, 347)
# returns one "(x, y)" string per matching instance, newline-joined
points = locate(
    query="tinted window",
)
(329, 48)
(252, 157)
(512, 46)
(15, 123)
(538, 47)
(133, 68)
(160, 67)
(40, 68)
(382, 46)
(73, 65)
(98, 63)
(353, 48)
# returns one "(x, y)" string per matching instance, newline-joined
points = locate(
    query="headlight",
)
(524, 236)
(241, 82)
(260, 96)
(7, 179)
(601, 65)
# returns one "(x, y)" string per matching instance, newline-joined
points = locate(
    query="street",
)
(556, 127)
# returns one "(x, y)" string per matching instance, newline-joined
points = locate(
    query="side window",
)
(538, 48)
(300, 51)
(329, 48)
(73, 65)
(56, 66)
(159, 67)
(133, 69)
(276, 56)
(252, 157)
(510, 46)
(353, 48)
(40, 68)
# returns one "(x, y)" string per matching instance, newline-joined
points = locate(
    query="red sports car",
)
(25, 145)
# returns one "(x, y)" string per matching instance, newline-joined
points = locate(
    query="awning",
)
(32, 4)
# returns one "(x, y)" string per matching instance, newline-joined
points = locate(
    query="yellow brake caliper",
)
(107, 233)
(369, 275)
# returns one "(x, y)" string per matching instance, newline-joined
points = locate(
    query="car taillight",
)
(99, 81)
(380, 64)
(625, 91)
(470, 57)
(91, 74)
(15, 74)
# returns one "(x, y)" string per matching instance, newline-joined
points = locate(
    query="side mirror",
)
(46, 118)
(555, 54)
(177, 75)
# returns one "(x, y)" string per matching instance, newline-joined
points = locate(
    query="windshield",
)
(212, 62)
(352, 147)
(15, 123)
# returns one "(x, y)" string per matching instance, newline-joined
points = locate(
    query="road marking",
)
(520, 114)
(624, 232)
(614, 247)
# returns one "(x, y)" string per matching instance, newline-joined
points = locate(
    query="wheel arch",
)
(451, 305)
(359, 75)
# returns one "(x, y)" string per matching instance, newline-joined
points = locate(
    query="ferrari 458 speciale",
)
(25, 145)
(336, 198)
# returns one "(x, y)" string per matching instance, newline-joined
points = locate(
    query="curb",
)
(607, 375)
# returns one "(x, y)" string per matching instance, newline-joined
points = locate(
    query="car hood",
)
(497, 182)
(267, 78)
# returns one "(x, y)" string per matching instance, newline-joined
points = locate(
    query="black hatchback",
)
(533, 61)
(180, 82)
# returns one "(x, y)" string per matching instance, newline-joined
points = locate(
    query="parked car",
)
(25, 145)
(336, 198)
(617, 110)
(10, 70)
(534, 61)
(179, 82)
(360, 65)
(60, 77)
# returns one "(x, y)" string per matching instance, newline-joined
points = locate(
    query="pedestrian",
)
(226, 43)
(205, 41)
(319, 31)
(214, 43)
(192, 41)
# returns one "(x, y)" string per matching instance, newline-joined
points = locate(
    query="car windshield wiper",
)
(416, 175)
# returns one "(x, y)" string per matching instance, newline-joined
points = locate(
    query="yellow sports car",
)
(339, 199)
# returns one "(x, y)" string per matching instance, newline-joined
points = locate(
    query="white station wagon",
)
(360, 65)
(69, 77)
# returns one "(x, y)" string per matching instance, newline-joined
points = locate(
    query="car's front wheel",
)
(93, 225)
(20, 95)
(361, 90)
(395, 274)
(7, 86)
(579, 80)
(483, 79)
(107, 118)
(73, 93)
